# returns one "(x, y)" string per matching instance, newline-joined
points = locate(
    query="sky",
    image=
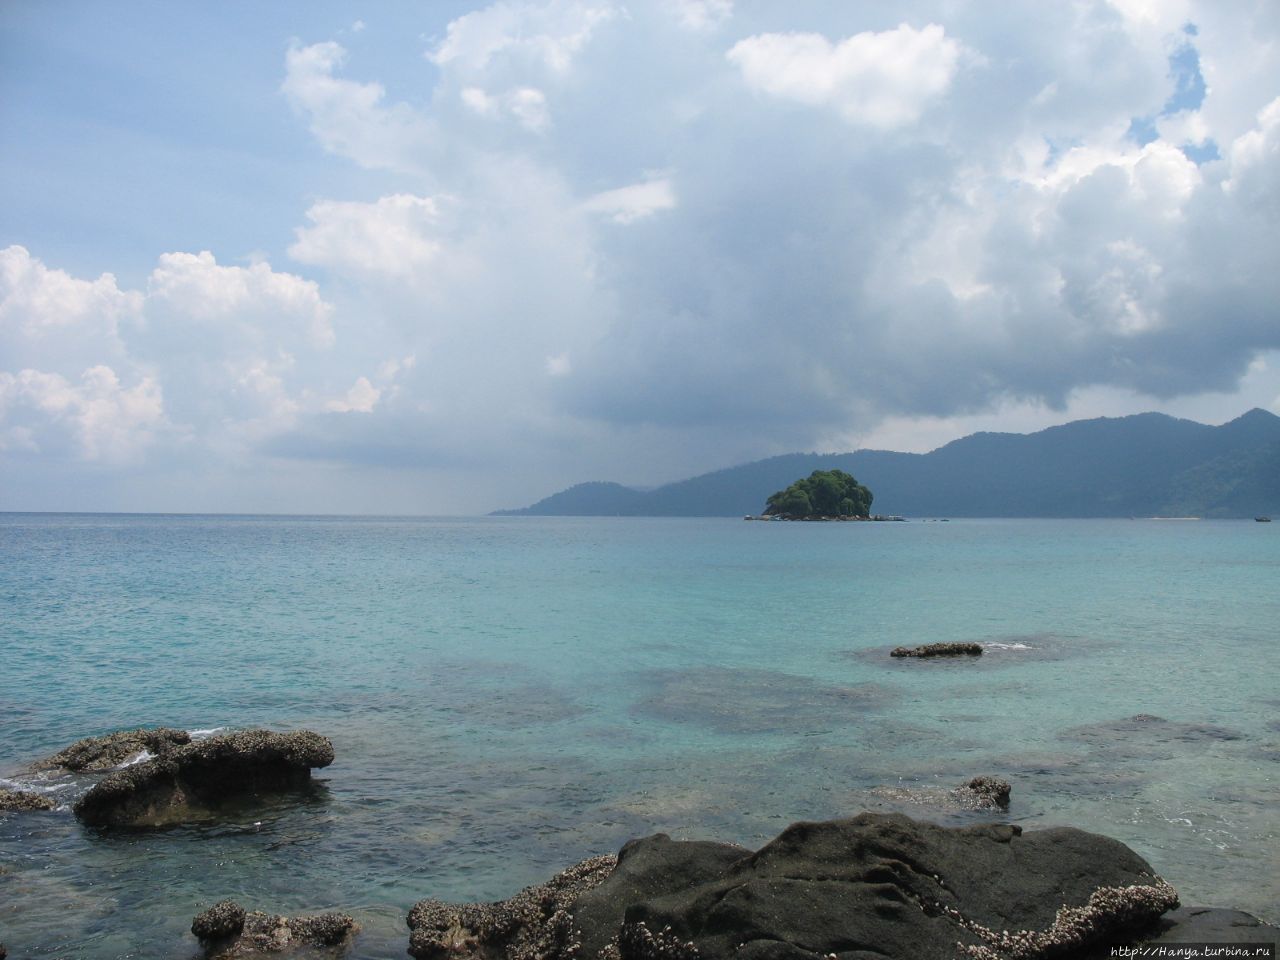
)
(444, 258)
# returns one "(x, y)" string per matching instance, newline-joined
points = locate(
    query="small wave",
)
(205, 734)
(36, 783)
(142, 756)
(1007, 646)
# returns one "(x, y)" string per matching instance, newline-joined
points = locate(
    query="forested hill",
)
(1149, 464)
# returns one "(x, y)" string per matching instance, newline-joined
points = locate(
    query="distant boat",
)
(1262, 519)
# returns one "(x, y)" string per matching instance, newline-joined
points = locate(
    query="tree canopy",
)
(824, 493)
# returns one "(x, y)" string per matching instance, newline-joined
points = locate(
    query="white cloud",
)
(392, 236)
(1165, 16)
(635, 202)
(49, 319)
(349, 118)
(700, 14)
(196, 288)
(38, 301)
(527, 105)
(108, 422)
(361, 398)
(881, 80)
(548, 34)
(559, 365)
(1255, 162)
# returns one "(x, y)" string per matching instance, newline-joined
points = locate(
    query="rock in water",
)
(885, 886)
(103, 753)
(868, 888)
(227, 931)
(224, 919)
(939, 650)
(190, 781)
(24, 800)
(532, 925)
(989, 791)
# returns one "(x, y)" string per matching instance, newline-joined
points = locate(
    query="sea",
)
(508, 696)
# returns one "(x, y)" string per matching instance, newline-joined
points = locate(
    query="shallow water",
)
(508, 696)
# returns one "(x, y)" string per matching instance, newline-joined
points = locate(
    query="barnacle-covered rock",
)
(191, 781)
(532, 925)
(227, 932)
(939, 650)
(224, 919)
(24, 800)
(103, 753)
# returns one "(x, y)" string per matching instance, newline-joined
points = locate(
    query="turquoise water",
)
(508, 696)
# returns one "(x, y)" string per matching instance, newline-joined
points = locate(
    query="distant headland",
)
(1146, 465)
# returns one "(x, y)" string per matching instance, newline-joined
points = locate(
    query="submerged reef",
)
(191, 781)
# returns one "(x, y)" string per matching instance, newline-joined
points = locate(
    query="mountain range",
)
(1149, 464)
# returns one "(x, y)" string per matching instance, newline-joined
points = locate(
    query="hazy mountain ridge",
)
(1147, 464)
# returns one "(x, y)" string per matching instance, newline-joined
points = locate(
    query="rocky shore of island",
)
(874, 885)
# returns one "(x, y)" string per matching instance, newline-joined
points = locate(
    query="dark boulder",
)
(103, 753)
(647, 868)
(191, 781)
(23, 800)
(867, 888)
(532, 925)
(886, 886)
(939, 650)
(226, 931)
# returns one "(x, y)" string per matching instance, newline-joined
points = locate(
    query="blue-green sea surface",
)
(509, 696)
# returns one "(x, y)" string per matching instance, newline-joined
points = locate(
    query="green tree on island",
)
(824, 493)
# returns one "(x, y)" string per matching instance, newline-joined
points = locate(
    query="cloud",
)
(361, 398)
(392, 235)
(1255, 163)
(882, 80)
(547, 34)
(635, 202)
(48, 316)
(349, 118)
(106, 421)
(581, 240)
(196, 289)
(527, 105)
(700, 14)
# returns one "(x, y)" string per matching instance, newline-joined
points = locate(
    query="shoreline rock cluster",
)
(879, 885)
(875, 885)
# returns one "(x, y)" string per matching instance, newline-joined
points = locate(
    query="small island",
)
(823, 495)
